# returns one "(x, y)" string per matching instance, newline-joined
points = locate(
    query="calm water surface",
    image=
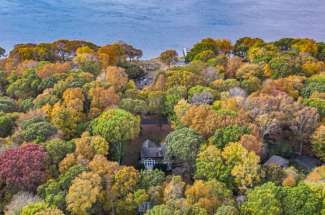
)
(154, 25)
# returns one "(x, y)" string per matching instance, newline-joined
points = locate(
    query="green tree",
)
(300, 200)
(133, 70)
(205, 55)
(283, 66)
(7, 124)
(57, 149)
(151, 178)
(54, 190)
(227, 210)
(171, 98)
(321, 51)
(210, 165)
(243, 44)
(33, 208)
(7, 105)
(117, 126)
(317, 103)
(183, 145)
(229, 134)
(26, 86)
(204, 45)
(263, 200)
(36, 129)
(134, 106)
(262, 54)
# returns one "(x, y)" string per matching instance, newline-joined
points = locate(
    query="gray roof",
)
(306, 162)
(278, 160)
(151, 150)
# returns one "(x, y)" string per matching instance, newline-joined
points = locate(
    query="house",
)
(152, 155)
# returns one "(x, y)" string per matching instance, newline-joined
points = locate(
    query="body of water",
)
(155, 25)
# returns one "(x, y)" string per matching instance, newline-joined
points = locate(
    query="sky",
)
(155, 25)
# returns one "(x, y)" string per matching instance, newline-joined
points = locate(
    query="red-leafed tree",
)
(24, 167)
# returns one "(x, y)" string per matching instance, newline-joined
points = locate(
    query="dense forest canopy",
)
(245, 128)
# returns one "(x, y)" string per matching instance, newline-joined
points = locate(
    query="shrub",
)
(37, 129)
(199, 89)
(7, 124)
(26, 104)
(7, 105)
(224, 85)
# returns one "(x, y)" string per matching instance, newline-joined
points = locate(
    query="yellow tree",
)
(119, 187)
(117, 77)
(246, 169)
(66, 119)
(202, 119)
(84, 54)
(50, 69)
(100, 165)
(88, 146)
(68, 115)
(209, 195)
(224, 45)
(74, 99)
(83, 193)
(318, 142)
(305, 45)
(101, 99)
(110, 55)
(174, 189)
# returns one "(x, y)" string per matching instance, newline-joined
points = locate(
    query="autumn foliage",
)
(30, 165)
